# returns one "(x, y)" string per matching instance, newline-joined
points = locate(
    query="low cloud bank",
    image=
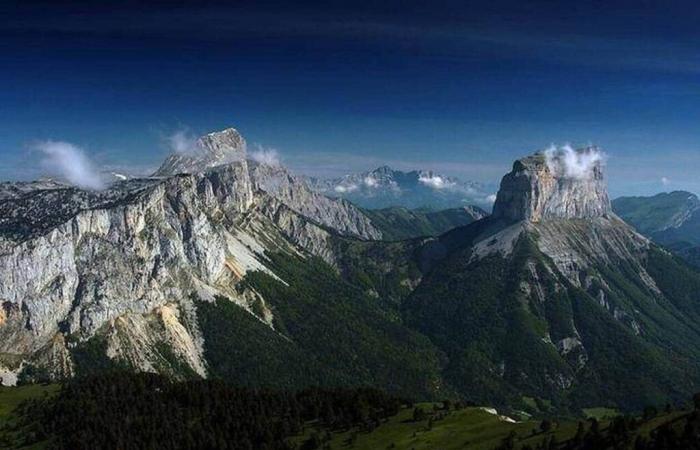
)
(435, 181)
(70, 162)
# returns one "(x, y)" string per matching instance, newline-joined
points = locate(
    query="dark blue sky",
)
(462, 87)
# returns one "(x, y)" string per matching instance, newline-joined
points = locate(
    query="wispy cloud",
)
(435, 181)
(265, 155)
(182, 141)
(70, 162)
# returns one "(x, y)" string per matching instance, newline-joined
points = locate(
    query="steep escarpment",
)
(554, 298)
(239, 271)
(539, 188)
(293, 191)
(211, 150)
(124, 252)
(152, 274)
(228, 146)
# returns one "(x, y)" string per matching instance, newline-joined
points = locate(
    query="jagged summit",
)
(555, 184)
(210, 150)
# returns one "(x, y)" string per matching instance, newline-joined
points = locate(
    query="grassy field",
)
(472, 428)
(600, 413)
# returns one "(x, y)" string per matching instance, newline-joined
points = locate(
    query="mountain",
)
(385, 187)
(401, 223)
(241, 271)
(215, 267)
(555, 302)
(670, 219)
(211, 150)
(228, 147)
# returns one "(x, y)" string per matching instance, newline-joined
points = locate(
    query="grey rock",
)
(533, 191)
(211, 150)
(126, 262)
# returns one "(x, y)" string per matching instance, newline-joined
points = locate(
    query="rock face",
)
(568, 209)
(539, 188)
(294, 192)
(228, 146)
(211, 150)
(123, 263)
(549, 294)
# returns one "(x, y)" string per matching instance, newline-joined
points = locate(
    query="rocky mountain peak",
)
(557, 183)
(211, 150)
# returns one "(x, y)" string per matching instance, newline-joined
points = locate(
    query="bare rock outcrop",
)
(125, 262)
(543, 186)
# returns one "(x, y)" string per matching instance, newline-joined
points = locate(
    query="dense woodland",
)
(123, 410)
(134, 411)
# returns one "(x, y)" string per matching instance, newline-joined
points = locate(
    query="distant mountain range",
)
(220, 266)
(385, 187)
(671, 219)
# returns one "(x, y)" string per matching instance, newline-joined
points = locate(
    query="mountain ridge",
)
(385, 187)
(670, 219)
(241, 271)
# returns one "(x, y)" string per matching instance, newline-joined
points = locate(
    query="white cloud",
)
(266, 156)
(665, 181)
(491, 198)
(566, 162)
(435, 181)
(70, 162)
(182, 142)
(342, 189)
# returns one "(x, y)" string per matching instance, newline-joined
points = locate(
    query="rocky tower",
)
(210, 150)
(554, 185)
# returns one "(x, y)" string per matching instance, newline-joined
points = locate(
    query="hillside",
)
(658, 213)
(401, 223)
(555, 298)
(670, 219)
(125, 410)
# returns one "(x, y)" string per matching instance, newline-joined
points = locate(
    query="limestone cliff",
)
(124, 263)
(541, 187)
(211, 150)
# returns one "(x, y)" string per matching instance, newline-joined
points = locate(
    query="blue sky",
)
(461, 87)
